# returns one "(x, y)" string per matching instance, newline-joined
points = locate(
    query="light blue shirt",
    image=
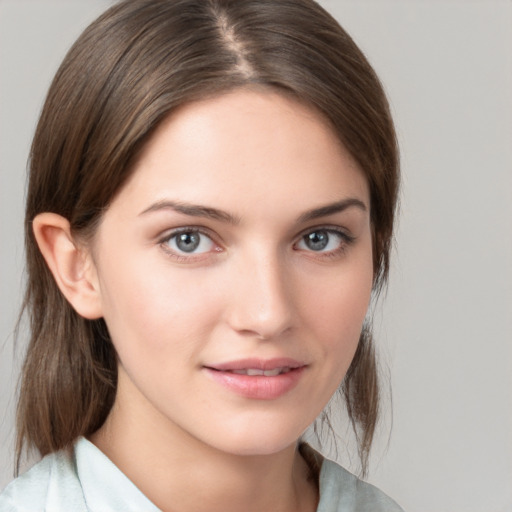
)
(85, 480)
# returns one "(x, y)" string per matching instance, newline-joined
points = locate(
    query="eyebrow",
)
(331, 209)
(195, 210)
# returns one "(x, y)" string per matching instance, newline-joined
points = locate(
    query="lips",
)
(281, 363)
(256, 378)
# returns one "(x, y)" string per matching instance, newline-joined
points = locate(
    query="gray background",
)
(445, 328)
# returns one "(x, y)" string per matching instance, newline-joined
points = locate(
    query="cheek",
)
(151, 309)
(338, 307)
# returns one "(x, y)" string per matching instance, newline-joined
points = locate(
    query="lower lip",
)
(258, 387)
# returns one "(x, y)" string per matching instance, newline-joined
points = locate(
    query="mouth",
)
(258, 367)
(254, 372)
(258, 379)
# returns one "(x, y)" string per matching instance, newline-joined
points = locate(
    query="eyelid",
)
(344, 233)
(346, 236)
(184, 257)
(331, 228)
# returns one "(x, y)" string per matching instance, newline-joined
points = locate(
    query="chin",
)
(258, 439)
(261, 447)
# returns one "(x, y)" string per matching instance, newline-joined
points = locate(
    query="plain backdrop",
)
(445, 327)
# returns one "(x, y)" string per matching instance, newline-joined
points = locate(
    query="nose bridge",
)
(262, 305)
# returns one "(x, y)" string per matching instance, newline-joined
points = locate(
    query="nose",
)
(261, 302)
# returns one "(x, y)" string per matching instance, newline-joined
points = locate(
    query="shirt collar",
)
(104, 485)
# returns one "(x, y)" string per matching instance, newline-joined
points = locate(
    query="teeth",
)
(272, 373)
(251, 372)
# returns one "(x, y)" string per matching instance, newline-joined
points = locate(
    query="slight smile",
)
(258, 379)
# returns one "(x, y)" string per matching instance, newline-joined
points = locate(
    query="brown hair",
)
(129, 69)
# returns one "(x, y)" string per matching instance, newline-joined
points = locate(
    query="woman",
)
(210, 207)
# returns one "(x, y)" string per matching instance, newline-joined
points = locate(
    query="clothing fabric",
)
(83, 479)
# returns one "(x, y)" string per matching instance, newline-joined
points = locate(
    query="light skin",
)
(273, 259)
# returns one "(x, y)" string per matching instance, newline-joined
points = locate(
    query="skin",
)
(254, 288)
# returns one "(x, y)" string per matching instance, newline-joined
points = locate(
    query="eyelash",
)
(183, 257)
(345, 241)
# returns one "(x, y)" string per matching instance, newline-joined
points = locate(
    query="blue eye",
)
(190, 242)
(322, 240)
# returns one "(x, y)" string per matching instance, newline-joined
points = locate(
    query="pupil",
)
(317, 240)
(188, 242)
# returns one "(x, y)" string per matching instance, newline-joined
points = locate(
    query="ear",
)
(70, 263)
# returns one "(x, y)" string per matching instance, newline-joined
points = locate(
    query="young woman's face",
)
(235, 271)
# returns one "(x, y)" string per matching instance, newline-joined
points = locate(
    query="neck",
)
(180, 473)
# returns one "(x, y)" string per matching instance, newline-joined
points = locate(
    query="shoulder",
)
(76, 480)
(40, 488)
(340, 490)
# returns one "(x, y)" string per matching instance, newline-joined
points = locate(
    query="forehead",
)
(243, 148)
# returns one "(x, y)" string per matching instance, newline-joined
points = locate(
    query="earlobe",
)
(71, 265)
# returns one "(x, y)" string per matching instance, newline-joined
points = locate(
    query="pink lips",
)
(256, 378)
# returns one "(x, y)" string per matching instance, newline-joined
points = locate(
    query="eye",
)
(323, 241)
(189, 242)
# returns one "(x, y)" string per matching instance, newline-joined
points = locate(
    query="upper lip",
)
(257, 364)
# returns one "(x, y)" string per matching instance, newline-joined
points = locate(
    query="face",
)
(234, 271)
